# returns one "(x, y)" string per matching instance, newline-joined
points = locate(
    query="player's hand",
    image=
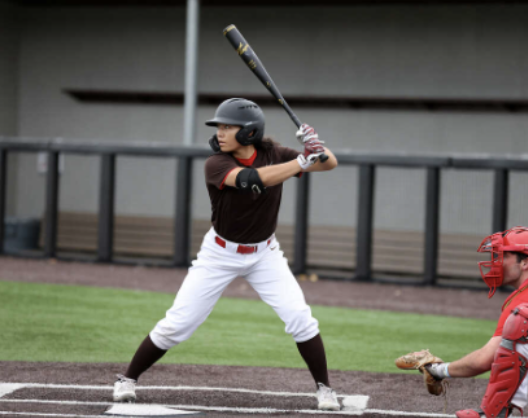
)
(309, 138)
(438, 370)
(306, 133)
(307, 161)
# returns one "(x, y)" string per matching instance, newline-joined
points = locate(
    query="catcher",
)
(506, 353)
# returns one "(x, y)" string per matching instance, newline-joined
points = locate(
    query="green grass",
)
(40, 322)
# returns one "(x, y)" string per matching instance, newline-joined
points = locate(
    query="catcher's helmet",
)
(513, 240)
(244, 113)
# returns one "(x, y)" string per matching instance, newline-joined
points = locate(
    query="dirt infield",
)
(389, 393)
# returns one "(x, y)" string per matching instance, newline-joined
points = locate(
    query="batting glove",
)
(308, 160)
(306, 133)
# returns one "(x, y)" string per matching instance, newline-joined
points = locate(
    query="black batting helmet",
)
(244, 113)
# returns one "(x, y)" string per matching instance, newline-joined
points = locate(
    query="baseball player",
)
(244, 179)
(506, 353)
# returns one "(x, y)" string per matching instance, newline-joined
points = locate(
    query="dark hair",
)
(266, 143)
(521, 257)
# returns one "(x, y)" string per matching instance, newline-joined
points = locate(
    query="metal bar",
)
(500, 200)
(105, 245)
(191, 66)
(365, 222)
(182, 219)
(301, 224)
(52, 202)
(3, 194)
(432, 214)
(489, 161)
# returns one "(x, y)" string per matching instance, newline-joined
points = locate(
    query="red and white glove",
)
(313, 147)
(309, 138)
(307, 134)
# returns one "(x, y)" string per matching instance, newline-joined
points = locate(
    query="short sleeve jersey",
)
(515, 299)
(244, 218)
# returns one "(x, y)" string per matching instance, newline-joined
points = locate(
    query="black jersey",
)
(244, 217)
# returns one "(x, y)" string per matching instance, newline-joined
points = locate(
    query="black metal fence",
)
(367, 163)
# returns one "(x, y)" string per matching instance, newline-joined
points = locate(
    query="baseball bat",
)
(247, 54)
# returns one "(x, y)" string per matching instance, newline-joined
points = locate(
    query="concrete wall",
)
(430, 51)
(8, 88)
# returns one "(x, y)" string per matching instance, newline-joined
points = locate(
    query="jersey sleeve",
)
(502, 319)
(515, 299)
(217, 167)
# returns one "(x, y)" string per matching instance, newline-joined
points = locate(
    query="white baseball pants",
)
(266, 270)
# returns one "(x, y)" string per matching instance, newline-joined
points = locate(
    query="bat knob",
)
(323, 158)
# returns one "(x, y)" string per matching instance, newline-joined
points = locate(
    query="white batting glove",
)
(308, 161)
(306, 133)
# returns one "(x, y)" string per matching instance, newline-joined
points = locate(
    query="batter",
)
(244, 180)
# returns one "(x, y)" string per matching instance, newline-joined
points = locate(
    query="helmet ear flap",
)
(213, 142)
(243, 135)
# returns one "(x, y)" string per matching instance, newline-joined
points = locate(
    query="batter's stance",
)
(244, 179)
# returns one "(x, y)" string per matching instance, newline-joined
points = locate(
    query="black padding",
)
(248, 180)
(213, 142)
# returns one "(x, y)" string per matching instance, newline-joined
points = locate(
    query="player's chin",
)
(227, 148)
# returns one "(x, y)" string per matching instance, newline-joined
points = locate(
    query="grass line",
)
(43, 322)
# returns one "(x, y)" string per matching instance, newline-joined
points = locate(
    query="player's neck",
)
(520, 281)
(244, 152)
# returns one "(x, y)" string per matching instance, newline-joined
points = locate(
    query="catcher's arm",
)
(477, 362)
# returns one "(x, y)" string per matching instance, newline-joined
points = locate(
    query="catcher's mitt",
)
(418, 361)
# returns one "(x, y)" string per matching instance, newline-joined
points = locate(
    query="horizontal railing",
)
(366, 162)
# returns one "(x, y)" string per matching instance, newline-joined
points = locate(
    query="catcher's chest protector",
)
(509, 367)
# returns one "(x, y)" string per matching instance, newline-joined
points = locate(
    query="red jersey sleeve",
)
(502, 319)
(217, 167)
(514, 300)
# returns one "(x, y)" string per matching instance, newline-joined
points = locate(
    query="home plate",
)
(357, 403)
(146, 410)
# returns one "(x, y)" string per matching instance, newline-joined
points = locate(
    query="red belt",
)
(241, 249)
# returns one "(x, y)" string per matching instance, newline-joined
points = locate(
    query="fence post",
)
(432, 213)
(52, 201)
(3, 194)
(105, 244)
(301, 224)
(182, 219)
(365, 222)
(500, 200)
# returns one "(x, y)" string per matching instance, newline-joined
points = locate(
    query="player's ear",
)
(524, 264)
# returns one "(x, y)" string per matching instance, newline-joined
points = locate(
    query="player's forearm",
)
(329, 164)
(473, 364)
(276, 174)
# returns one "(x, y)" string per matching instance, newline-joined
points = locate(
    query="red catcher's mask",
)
(512, 240)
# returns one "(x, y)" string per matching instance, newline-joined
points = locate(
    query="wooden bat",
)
(247, 54)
